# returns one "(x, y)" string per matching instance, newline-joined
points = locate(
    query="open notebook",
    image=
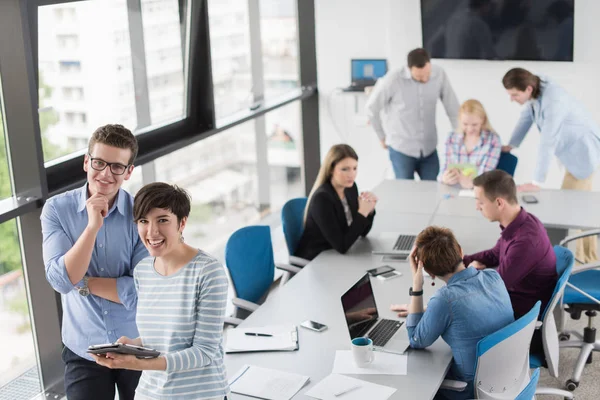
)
(282, 338)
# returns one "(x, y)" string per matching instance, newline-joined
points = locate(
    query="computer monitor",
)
(366, 72)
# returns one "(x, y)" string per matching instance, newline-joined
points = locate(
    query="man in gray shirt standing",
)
(401, 109)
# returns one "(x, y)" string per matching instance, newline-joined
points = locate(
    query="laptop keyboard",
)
(383, 332)
(405, 242)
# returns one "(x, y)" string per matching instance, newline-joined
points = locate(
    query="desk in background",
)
(315, 292)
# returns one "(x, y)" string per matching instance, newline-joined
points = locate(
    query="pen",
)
(258, 334)
(346, 390)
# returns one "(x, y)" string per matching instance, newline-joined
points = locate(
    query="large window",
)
(279, 37)
(91, 72)
(230, 54)
(220, 174)
(5, 180)
(284, 149)
(16, 346)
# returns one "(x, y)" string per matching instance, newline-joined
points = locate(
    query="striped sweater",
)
(182, 316)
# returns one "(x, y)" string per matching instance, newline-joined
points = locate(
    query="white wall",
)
(390, 29)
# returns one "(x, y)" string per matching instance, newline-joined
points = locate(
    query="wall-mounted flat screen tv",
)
(540, 30)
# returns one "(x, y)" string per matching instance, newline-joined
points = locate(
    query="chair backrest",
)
(529, 392)
(564, 266)
(508, 163)
(249, 259)
(292, 220)
(502, 369)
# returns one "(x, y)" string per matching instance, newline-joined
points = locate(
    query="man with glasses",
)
(91, 247)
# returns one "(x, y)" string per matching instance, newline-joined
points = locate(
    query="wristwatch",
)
(84, 291)
(411, 293)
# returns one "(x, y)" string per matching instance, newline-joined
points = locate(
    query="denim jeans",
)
(405, 166)
(86, 380)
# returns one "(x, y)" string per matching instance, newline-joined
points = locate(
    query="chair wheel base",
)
(563, 337)
(571, 385)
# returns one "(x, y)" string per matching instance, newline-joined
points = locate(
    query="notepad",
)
(266, 383)
(352, 389)
(283, 338)
(383, 364)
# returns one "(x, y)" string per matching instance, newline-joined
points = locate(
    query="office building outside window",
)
(279, 37)
(230, 53)
(79, 53)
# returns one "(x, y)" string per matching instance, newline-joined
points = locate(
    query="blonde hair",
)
(474, 107)
(335, 154)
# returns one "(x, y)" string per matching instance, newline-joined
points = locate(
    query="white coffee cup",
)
(362, 351)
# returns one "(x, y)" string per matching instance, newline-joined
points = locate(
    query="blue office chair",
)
(502, 369)
(507, 163)
(251, 267)
(564, 266)
(292, 220)
(529, 392)
(582, 294)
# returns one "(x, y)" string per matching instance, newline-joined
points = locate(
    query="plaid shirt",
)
(484, 156)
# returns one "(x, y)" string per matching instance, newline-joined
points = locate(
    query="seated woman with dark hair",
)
(472, 301)
(336, 215)
(182, 294)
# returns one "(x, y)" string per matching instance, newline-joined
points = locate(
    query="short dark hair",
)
(417, 58)
(115, 135)
(438, 250)
(161, 195)
(497, 183)
(519, 78)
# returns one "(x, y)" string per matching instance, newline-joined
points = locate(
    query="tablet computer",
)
(120, 348)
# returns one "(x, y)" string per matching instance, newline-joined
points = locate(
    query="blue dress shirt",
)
(471, 306)
(567, 130)
(93, 320)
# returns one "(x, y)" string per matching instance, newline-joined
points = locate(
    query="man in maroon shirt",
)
(523, 254)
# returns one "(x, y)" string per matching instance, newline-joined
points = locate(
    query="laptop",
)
(365, 73)
(392, 244)
(363, 319)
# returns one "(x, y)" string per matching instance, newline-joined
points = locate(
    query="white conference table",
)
(314, 293)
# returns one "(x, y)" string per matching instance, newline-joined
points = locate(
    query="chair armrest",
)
(299, 261)
(591, 232)
(244, 304)
(232, 321)
(455, 386)
(288, 268)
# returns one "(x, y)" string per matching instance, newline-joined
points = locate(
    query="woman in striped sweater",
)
(182, 294)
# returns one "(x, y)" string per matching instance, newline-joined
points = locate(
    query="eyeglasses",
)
(100, 165)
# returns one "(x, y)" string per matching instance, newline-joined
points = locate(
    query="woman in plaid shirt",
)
(473, 149)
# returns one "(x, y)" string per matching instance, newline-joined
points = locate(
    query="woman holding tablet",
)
(336, 215)
(182, 294)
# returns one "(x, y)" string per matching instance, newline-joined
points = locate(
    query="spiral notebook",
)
(264, 338)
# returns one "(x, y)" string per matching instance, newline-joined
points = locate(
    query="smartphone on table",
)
(529, 199)
(380, 270)
(313, 326)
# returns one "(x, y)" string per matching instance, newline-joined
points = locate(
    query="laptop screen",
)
(368, 70)
(359, 307)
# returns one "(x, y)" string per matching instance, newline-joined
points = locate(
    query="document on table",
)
(281, 338)
(383, 364)
(265, 383)
(466, 193)
(348, 388)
